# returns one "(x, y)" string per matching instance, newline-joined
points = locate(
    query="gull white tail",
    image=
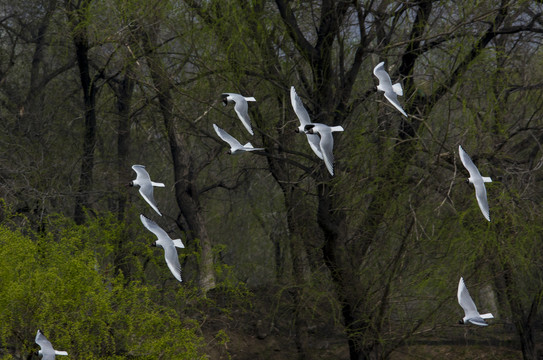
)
(178, 243)
(397, 88)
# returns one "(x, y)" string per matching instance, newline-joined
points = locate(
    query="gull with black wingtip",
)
(303, 116)
(385, 84)
(143, 180)
(478, 182)
(164, 241)
(326, 142)
(470, 310)
(235, 146)
(47, 352)
(241, 107)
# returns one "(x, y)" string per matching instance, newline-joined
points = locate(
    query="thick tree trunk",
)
(523, 321)
(186, 190)
(81, 43)
(31, 124)
(89, 139)
(301, 226)
(124, 93)
(31, 110)
(527, 341)
(300, 271)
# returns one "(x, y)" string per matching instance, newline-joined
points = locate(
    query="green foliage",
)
(52, 282)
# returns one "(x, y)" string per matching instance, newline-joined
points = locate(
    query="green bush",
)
(53, 281)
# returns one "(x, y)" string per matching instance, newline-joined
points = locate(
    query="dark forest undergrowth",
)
(263, 331)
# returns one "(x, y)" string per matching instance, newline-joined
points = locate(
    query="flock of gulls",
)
(321, 141)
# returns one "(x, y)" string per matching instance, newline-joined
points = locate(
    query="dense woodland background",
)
(281, 260)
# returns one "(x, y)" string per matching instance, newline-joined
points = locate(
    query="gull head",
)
(299, 129)
(461, 322)
(153, 244)
(229, 152)
(309, 129)
(225, 100)
(131, 183)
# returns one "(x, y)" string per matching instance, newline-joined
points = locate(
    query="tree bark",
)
(186, 190)
(32, 106)
(81, 43)
(123, 92)
(523, 321)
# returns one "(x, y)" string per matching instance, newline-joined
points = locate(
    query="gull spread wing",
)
(393, 99)
(141, 173)
(250, 147)
(465, 301)
(170, 253)
(154, 228)
(327, 147)
(47, 355)
(44, 343)
(172, 260)
(299, 108)
(303, 116)
(227, 137)
(146, 192)
(480, 194)
(314, 142)
(478, 182)
(478, 321)
(468, 163)
(47, 351)
(385, 83)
